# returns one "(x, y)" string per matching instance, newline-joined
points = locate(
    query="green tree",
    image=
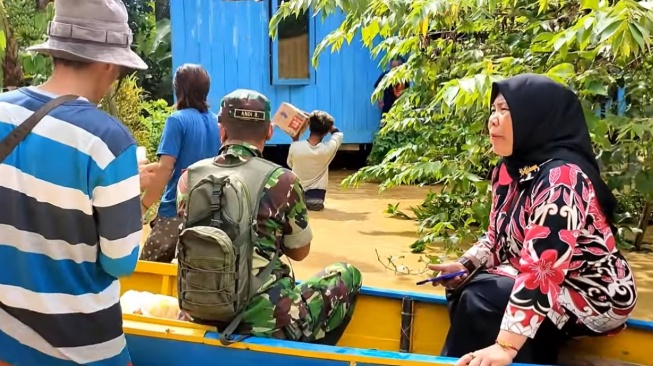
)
(152, 41)
(456, 49)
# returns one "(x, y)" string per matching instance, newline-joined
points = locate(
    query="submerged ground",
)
(353, 228)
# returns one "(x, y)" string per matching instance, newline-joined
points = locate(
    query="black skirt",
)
(476, 312)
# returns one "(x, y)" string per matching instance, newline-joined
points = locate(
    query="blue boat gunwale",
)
(378, 355)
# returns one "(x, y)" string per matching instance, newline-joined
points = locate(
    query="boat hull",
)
(373, 337)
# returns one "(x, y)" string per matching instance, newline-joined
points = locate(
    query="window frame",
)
(274, 57)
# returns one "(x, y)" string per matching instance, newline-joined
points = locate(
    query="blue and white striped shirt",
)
(70, 226)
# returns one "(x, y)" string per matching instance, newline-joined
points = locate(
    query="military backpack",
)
(216, 244)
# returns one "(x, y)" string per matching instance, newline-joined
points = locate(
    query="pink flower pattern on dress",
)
(542, 273)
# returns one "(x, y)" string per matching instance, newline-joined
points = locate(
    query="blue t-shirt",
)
(189, 136)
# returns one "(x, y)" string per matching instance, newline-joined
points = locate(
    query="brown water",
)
(353, 228)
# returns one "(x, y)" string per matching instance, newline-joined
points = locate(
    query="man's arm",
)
(168, 153)
(297, 234)
(289, 159)
(115, 197)
(336, 139)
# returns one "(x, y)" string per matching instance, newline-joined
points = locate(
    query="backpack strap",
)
(216, 206)
(18, 134)
(226, 337)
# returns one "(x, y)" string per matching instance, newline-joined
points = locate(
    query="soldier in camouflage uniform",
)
(284, 310)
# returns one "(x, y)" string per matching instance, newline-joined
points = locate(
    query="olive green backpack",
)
(216, 244)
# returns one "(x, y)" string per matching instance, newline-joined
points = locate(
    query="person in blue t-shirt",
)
(190, 134)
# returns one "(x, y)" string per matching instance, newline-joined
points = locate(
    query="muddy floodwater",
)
(353, 228)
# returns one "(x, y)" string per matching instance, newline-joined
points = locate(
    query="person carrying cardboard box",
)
(309, 159)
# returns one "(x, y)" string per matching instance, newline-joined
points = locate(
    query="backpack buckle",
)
(215, 200)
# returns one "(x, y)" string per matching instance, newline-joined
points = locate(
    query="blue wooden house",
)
(231, 40)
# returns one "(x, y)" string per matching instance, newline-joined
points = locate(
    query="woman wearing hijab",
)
(548, 268)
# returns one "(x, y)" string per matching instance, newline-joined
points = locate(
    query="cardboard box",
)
(291, 119)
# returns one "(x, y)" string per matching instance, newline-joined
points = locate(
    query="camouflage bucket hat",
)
(245, 105)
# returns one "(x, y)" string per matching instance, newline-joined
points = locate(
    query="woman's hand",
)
(447, 268)
(494, 355)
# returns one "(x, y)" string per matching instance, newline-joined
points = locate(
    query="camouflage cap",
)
(245, 105)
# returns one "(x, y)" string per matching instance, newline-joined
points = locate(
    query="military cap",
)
(244, 105)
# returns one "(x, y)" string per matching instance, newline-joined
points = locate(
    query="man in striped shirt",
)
(69, 196)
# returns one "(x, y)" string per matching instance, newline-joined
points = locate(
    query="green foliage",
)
(456, 49)
(155, 48)
(125, 103)
(386, 143)
(152, 41)
(21, 14)
(144, 118)
(4, 25)
(26, 20)
(28, 28)
(162, 9)
(37, 68)
(156, 112)
(135, 10)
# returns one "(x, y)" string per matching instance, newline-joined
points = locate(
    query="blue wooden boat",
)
(389, 328)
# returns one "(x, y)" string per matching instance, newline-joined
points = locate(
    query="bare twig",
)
(400, 269)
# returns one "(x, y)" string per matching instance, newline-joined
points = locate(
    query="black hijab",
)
(548, 123)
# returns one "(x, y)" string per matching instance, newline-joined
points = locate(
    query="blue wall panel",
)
(230, 39)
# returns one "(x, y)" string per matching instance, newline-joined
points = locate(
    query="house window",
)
(292, 49)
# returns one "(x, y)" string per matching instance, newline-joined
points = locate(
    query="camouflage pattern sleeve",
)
(182, 193)
(295, 228)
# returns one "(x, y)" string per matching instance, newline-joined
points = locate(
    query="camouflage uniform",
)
(284, 310)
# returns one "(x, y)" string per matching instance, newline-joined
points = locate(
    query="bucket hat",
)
(92, 31)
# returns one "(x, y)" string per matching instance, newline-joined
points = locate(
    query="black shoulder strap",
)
(18, 134)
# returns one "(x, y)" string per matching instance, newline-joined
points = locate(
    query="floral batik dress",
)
(547, 231)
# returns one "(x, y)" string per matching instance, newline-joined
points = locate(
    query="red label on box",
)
(295, 123)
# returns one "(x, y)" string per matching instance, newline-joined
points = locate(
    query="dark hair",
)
(73, 64)
(320, 122)
(192, 84)
(81, 65)
(247, 131)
